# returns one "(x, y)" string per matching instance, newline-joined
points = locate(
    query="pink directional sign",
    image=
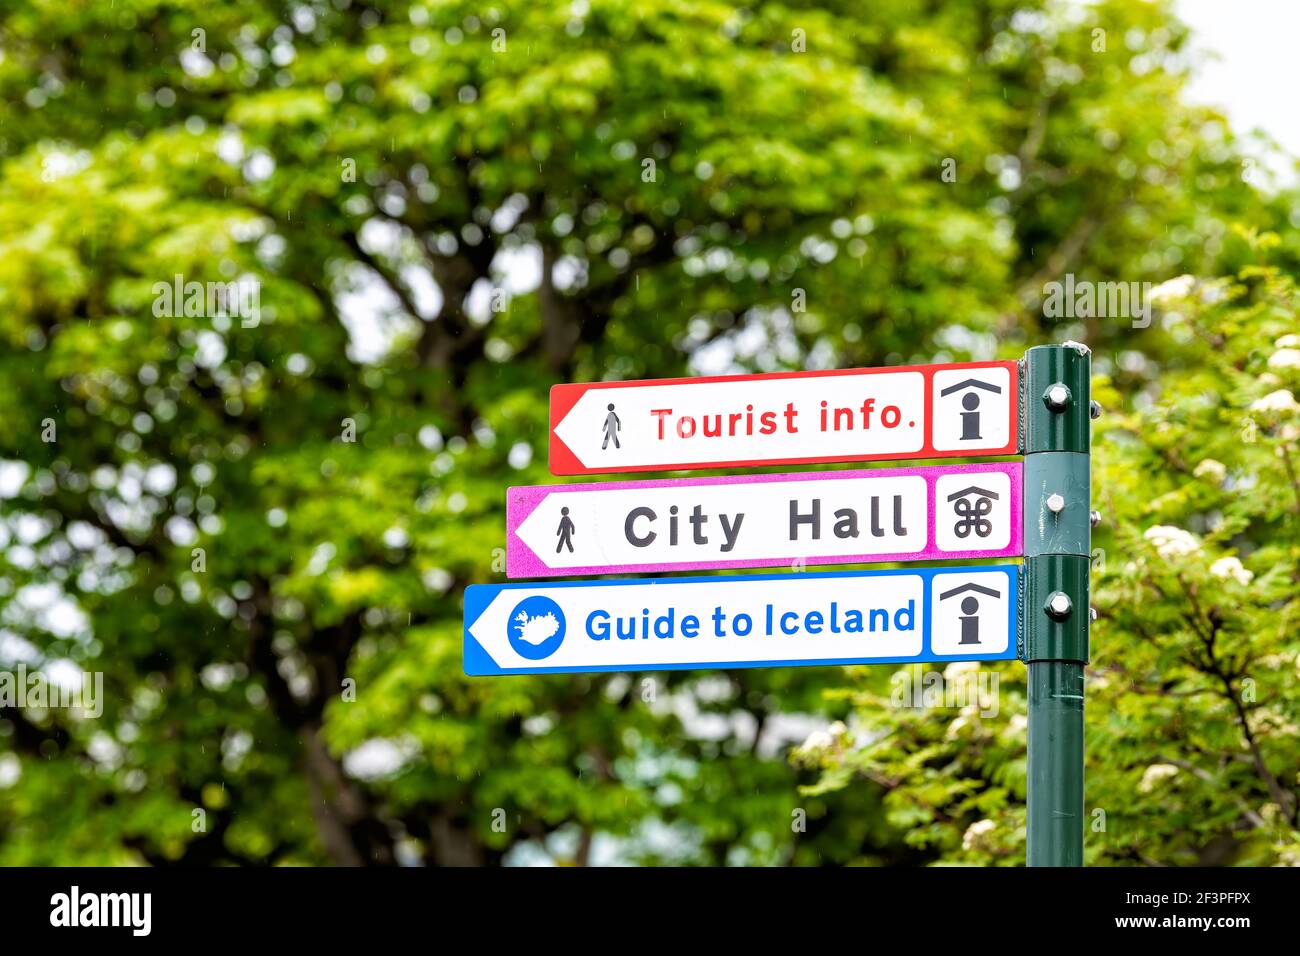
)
(764, 521)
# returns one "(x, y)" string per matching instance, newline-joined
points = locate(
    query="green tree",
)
(259, 528)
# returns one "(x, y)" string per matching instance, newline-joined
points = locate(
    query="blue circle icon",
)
(536, 627)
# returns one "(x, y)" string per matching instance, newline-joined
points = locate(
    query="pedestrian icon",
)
(970, 622)
(565, 531)
(612, 426)
(973, 515)
(970, 402)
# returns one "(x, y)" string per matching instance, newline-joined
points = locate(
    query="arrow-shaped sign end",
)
(562, 459)
(522, 559)
(477, 661)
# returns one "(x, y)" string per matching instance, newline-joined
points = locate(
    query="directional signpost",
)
(932, 411)
(847, 617)
(1037, 510)
(757, 521)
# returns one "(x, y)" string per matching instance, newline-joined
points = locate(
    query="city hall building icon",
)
(536, 628)
(973, 512)
(971, 613)
(973, 506)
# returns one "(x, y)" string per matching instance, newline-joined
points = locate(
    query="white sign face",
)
(853, 617)
(800, 417)
(843, 517)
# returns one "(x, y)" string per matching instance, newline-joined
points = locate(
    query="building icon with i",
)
(970, 606)
(970, 403)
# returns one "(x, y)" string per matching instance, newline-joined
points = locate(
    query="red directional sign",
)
(784, 418)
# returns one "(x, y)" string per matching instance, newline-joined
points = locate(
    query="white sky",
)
(1255, 77)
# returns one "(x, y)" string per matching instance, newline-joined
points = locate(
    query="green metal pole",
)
(1056, 410)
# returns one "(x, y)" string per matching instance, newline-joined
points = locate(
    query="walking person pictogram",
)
(565, 531)
(612, 426)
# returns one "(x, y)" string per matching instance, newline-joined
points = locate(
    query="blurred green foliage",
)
(259, 531)
(1192, 708)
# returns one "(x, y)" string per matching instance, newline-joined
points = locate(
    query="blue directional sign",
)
(944, 614)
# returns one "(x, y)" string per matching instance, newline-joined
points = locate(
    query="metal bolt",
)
(1057, 397)
(1055, 503)
(1094, 518)
(1092, 614)
(1058, 605)
(1094, 410)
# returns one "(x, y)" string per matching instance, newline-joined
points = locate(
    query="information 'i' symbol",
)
(970, 402)
(970, 606)
(612, 426)
(970, 624)
(970, 418)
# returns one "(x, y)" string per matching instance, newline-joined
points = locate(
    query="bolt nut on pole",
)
(1055, 503)
(1094, 410)
(1059, 605)
(1057, 397)
(1094, 518)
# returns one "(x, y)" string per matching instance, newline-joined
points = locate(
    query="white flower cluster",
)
(1278, 401)
(1209, 468)
(820, 740)
(1231, 567)
(1154, 774)
(1285, 358)
(1172, 290)
(974, 832)
(1172, 542)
